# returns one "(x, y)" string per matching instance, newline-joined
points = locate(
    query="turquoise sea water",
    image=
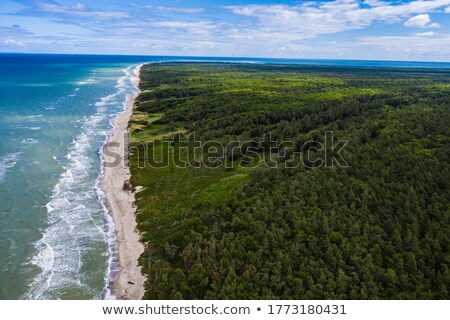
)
(56, 238)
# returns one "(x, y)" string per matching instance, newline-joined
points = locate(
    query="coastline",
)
(128, 282)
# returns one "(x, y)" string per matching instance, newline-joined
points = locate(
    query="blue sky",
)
(329, 29)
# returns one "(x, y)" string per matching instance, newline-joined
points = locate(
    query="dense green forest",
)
(376, 228)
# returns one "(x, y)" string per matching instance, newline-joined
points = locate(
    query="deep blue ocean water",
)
(56, 238)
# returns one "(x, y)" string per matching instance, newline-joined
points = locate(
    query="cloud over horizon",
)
(303, 29)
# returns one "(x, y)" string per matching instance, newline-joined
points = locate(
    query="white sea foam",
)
(75, 91)
(44, 259)
(89, 80)
(7, 162)
(77, 225)
(35, 116)
(29, 141)
(70, 226)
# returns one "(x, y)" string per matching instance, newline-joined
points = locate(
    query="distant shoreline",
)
(128, 282)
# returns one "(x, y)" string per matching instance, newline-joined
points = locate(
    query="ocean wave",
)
(7, 162)
(79, 224)
(70, 227)
(75, 91)
(89, 80)
(23, 126)
(29, 141)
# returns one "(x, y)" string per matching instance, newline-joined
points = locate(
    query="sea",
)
(57, 240)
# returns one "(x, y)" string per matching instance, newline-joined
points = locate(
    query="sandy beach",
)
(129, 281)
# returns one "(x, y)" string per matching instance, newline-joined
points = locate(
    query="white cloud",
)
(14, 31)
(375, 3)
(81, 11)
(272, 27)
(425, 34)
(413, 47)
(11, 42)
(174, 9)
(447, 10)
(420, 21)
(200, 30)
(183, 24)
(311, 19)
(254, 30)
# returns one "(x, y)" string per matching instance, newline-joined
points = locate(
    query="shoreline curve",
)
(128, 282)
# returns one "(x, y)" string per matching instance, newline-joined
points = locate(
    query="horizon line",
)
(228, 57)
